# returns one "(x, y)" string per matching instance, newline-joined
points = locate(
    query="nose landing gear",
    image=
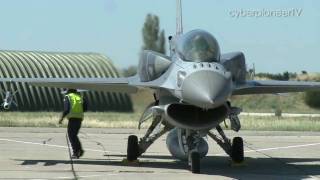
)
(191, 148)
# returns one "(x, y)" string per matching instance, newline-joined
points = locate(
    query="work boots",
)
(78, 154)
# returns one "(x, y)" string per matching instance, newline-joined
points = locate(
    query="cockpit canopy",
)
(198, 46)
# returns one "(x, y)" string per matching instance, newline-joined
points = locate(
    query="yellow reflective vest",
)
(76, 106)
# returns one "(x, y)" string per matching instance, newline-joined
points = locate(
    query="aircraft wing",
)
(97, 84)
(273, 87)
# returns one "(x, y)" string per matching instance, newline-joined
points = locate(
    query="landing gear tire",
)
(195, 162)
(237, 154)
(133, 148)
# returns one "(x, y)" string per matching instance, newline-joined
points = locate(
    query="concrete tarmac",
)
(42, 153)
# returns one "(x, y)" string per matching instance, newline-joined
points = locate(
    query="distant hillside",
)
(288, 103)
(308, 77)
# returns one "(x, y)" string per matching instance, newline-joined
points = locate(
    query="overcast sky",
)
(276, 35)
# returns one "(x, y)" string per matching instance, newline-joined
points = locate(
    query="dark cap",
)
(72, 91)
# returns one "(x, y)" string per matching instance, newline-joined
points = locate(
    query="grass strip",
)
(130, 120)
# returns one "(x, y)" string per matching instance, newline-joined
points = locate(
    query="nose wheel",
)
(192, 149)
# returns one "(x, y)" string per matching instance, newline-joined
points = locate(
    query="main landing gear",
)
(195, 162)
(136, 148)
(133, 148)
(237, 154)
(234, 149)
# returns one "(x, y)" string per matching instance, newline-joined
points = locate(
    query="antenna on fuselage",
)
(179, 18)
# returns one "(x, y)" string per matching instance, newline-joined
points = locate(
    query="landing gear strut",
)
(233, 117)
(189, 142)
(234, 149)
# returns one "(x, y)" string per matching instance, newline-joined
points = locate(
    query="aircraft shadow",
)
(298, 168)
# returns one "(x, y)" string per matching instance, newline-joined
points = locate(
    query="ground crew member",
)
(74, 106)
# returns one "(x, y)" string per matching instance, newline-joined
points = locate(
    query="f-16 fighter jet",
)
(192, 88)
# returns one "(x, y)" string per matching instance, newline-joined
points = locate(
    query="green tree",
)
(162, 43)
(153, 38)
(312, 98)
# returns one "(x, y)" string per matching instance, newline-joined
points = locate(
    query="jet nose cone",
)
(206, 89)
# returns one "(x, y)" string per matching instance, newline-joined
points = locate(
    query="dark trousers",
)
(74, 126)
